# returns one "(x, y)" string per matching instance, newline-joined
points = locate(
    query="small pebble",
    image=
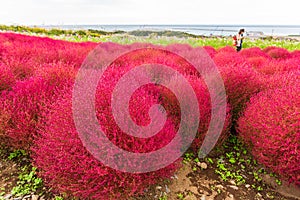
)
(232, 182)
(167, 189)
(42, 198)
(258, 194)
(174, 177)
(158, 187)
(8, 196)
(34, 197)
(233, 187)
(247, 185)
(220, 186)
(202, 165)
(27, 197)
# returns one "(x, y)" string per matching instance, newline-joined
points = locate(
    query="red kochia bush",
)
(257, 62)
(277, 52)
(270, 126)
(227, 49)
(204, 97)
(74, 171)
(254, 52)
(296, 54)
(210, 50)
(280, 66)
(281, 80)
(25, 104)
(68, 167)
(23, 54)
(240, 80)
(7, 79)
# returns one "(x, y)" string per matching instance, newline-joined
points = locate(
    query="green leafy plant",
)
(210, 160)
(28, 182)
(278, 182)
(164, 197)
(180, 196)
(188, 157)
(17, 154)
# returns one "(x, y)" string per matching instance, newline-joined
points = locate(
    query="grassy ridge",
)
(162, 38)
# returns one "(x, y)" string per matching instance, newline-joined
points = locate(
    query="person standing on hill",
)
(239, 40)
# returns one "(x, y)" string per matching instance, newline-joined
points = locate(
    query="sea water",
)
(207, 30)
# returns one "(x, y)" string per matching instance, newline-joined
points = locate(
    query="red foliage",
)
(296, 54)
(227, 49)
(89, 178)
(7, 79)
(258, 62)
(270, 125)
(36, 78)
(24, 106)
(210, 50)
(240, 80)
(254, 52)
(277, 52)
(279, 66)
(281, 80)
(74, 171)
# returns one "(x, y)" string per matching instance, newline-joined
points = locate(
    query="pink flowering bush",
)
(270, 126)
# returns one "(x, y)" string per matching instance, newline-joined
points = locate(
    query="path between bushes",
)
(187, 184)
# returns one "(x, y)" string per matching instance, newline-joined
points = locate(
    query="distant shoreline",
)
(199, 30)
(137, 33)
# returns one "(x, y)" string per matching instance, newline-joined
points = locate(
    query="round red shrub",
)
(57, 73)
(278, 53)
(22, 69)
(253, 52)
(7, 79)
(279, 66)
(257, 62)
(25, 104)
(67, 166)
(227, 49)
(269, 48)
(282, 80)
(240, 79)
(210, 50)
(270, 126)
(4, 121)
(296, 54)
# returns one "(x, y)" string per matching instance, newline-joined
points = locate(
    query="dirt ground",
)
(194, 181)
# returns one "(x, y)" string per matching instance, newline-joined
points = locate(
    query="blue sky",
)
(37, 12)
